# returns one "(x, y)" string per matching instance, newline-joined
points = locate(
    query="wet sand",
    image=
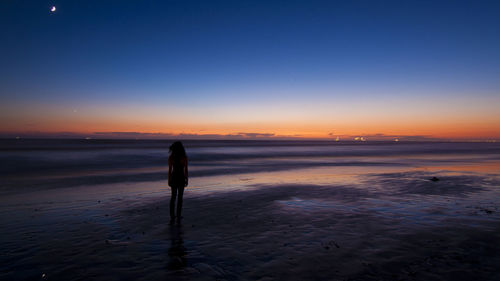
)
(384, 226)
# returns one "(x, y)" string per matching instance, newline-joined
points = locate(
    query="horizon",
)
(229, 137)
(306, 70)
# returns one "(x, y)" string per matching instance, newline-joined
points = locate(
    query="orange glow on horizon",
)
(320, 122)
(462, 131)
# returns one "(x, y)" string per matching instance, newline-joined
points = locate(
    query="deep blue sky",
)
(195, 54)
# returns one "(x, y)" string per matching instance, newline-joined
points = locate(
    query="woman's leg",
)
(179, 202)
(172, 202)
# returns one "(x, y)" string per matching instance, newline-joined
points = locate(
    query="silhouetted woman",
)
(177, 177)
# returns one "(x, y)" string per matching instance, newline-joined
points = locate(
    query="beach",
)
(252, 211)
(318, 140)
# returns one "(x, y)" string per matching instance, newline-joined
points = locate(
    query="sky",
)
(250, 69)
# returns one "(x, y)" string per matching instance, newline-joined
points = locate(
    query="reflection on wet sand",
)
(177, 252)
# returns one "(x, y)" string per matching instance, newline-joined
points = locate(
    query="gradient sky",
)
(288, 68)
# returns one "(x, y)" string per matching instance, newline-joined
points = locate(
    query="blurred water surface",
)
(52, 163)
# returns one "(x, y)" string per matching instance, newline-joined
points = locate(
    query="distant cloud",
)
(132, 135)
(202, 136)
(380, 136)
(239, 135)
(385, 137)
(256, 135)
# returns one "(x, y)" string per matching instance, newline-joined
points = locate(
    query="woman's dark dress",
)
(178, 178)
(177, 184)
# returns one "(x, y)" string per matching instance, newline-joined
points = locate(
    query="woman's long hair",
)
(177, 152)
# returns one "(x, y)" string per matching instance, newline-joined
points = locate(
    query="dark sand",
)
(386, 226)
(328, 233)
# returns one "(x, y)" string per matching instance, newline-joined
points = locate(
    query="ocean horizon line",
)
(261, 139)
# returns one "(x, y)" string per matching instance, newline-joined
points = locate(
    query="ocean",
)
(27, 164)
